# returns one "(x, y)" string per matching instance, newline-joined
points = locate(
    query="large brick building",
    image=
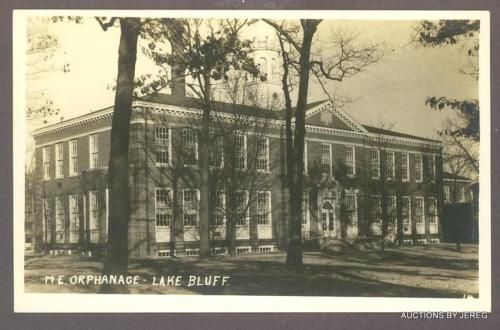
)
(349, 167)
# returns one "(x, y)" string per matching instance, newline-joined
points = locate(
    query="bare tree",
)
(211, 51)
(296, 45)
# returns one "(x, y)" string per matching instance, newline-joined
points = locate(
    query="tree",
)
(210, 54)
(242, 172)
(116, 261)
(466, 126)
(296, 43)
(41, 48)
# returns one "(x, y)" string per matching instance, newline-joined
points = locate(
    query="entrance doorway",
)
(328, 218)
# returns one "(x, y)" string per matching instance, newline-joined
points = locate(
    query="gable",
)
(325, 115)
(326, 118)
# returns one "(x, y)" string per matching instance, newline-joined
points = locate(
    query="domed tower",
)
(266, 94)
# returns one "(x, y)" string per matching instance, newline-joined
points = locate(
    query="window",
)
(94, 210)
(447, 196)
(376, 209)
(405, 167)
(263, 154)
(60, 223)
(375, 155)
(265, 248)
(418, 168)
(189, 147)
(264, 207)
(390, 168)
(46, 162)
(190, 207)
(241, 151)
(192, 252)
(164, 253)
(217, 152)
(243, 249)
(391, 209)
(432, 211)
(326, 158)
(162, 144)
(431, 166)
(406, 209)
(73, 157)
(351, 206)
(59, 160)
(462, 194)
(241, 208)
(163, 207)
(94, 150)
(220, 215)
(74, 212)
(305, 208)
(263, 66)
(350, 160)
(45, 219)
(419, 210)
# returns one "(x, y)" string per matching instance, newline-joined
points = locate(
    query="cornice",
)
(189, 112)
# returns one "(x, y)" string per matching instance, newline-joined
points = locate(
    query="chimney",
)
(178, 73)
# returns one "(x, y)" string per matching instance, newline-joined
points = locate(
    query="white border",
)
(29, 302)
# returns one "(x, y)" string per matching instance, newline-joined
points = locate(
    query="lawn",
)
(410, 271)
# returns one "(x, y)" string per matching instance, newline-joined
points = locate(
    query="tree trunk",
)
(204, 186)
(296, 177)
(116, 261)
(204, 145)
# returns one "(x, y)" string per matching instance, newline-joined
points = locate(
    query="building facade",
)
(461, 209)
(356, 177)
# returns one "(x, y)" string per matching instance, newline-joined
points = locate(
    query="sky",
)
(392, 91)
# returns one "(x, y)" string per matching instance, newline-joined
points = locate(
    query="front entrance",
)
(328, 218)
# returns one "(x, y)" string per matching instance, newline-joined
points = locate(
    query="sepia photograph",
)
(264, 157)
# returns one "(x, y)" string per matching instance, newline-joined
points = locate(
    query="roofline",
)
(107, 112)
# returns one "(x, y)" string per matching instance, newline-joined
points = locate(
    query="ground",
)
(410, 271)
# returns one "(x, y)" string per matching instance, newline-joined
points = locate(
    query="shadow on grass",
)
(405, 272)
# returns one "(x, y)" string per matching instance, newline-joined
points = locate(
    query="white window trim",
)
(377, 207)
(92, 151)
(61, 145)
(421, 172)
(305, 196)
(223, 192)
(407, 167)
(247, 210)
(269, 212)
(221, 155)
(245, 153)
(197, 208)
(378, 164)
(94, 194)
(353, 148)
(46, 161)
(409, 208)
(462, 194)
(169, 192)
(423, 210)
(266, 170)
(355, 221)
(196, 158)
(74, 201)
(73, 158)
(446, 193)
(433, 219)
(169, 147)
(393, 165)
(330, 158)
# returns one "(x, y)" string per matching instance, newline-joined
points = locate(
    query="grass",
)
(410, 271)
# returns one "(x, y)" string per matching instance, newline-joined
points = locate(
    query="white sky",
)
(393, 90)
